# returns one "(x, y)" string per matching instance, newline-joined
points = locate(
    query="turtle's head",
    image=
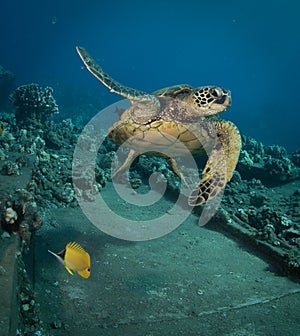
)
(209, 100)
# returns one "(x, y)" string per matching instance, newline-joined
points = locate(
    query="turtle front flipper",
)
(111, 84)
(220, 165)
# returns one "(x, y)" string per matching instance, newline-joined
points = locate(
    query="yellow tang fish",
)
(75, 258)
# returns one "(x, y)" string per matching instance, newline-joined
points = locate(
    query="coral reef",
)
(268, 163)
(62, 137)
(89, 177)
(10, 216)
(162, 172)
(295, 157)
(33, 104)
(7, 80)
(6, 74)
(10, 168)
(52, 173)
(19, 214)
(50, 176)
(85, 186)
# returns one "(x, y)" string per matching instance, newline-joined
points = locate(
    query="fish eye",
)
(88, 269)
(215, 92)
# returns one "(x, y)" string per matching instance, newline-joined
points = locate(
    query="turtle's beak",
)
(225, 100)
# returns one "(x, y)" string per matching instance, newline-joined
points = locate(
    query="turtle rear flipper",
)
(220, 165)
(132, 155)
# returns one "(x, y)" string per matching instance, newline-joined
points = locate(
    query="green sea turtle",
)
(156, 123)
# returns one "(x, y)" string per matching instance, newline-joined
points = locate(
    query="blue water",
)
(252, 48)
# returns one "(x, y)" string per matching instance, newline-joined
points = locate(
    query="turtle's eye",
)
(215, 92)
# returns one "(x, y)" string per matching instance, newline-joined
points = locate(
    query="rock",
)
(135, 182)
(258, 199)
(10, 168)
(5, 235)
(25, 307)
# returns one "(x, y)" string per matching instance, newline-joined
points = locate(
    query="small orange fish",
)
(75, 259)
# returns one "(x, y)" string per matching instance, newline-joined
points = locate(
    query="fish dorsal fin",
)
(76, 247)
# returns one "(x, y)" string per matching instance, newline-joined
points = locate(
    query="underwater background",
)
(251, 48)
(228, 267)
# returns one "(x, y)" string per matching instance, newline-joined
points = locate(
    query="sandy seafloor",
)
(193, 281)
